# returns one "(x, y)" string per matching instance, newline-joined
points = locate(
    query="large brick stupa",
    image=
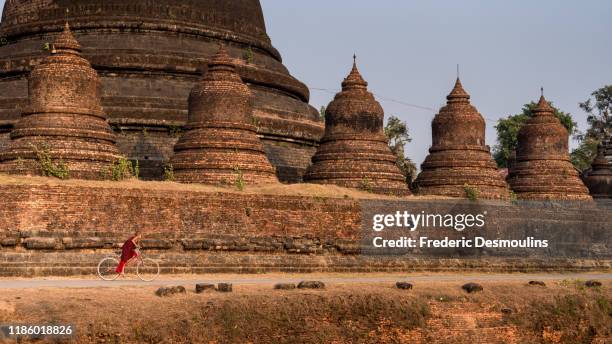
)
(220, 145)
(149, 55)
(63, 124)
(459, 157)
(354, 151)
(543, 170)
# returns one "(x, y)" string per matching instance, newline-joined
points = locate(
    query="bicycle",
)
(147, 269)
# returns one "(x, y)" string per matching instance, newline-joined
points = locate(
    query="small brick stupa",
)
(599, 178)
(543, 170)
(459, 157)
(220, 145)
(607, 144)
(63, 124)
(354, 151)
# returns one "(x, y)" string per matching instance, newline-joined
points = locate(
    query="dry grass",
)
(343, 313)
(312, 190)
(302, 189)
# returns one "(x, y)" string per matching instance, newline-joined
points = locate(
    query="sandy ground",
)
(273, 278)
(344, 312)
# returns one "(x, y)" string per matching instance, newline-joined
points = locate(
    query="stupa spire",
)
(354, 80)
(221, 61)
(66, 42)
(543, 108)
(458, 93)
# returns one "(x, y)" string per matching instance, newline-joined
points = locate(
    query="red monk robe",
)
(128, 251)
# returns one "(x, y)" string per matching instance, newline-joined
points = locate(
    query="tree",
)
(584, 154)
(322, 113)
(397, 133)
(599, 120)
(508, 129)
(599, 114)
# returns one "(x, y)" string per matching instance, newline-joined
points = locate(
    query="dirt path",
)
(435, 311)
(270, 279)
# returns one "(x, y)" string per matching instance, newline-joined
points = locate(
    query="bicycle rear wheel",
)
(147, 269)
(106, 269)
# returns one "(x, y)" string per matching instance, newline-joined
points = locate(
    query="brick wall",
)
(5, 138)
(152, 148)
(75, 209)
(67, 228)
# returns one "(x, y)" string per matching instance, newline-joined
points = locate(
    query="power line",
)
(383, 98)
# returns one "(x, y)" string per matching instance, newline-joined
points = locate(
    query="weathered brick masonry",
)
(599, 178)
(459, 155)
(221, 144)
(64, 117)
(149, 55)
(66, 229)
(543, 169)
(354, 151)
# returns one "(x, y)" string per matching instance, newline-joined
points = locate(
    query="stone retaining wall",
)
(65, 229)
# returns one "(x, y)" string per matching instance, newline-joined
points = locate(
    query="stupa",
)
(220, 145)
(607, 144)
(543, 170)
(64, 120)
(354, 151)
(149, 55)
(459, 157)
(599, 178)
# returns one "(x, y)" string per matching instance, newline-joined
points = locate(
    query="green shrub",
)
(239, 181)
(48, 167)
(175, 131)
(513, 197)
(366, 184)
(169, 173)
(249, 56)
(124, 169)
(471, 192)
(255, 121)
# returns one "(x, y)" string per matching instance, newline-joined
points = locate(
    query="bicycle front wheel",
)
(107, 267)
(147, 269)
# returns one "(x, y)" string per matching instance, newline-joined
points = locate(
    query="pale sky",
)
(408, 52)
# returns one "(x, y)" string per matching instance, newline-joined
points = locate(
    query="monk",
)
(129, 251)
